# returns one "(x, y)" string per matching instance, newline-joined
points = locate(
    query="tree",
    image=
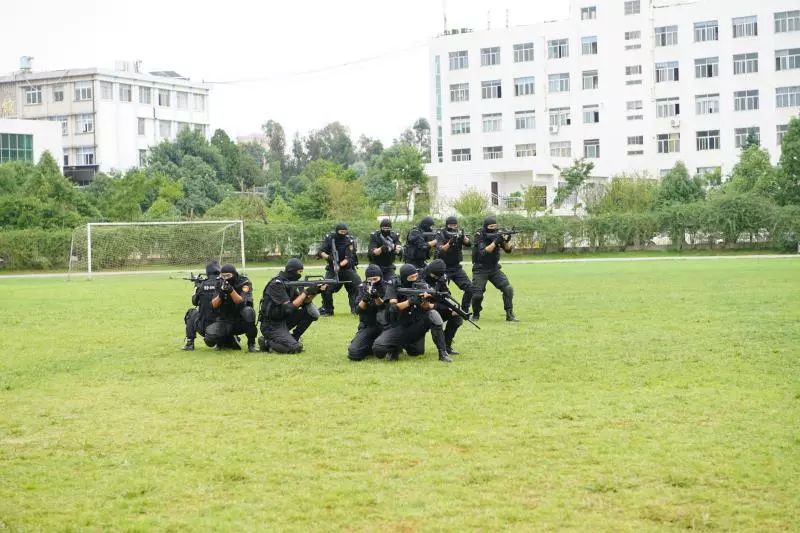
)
(678, 188)
(331, 143)
(230, 156)
(471, 202)
(299, 158)
(323, 184)
(401, 165)
(574, 177)
(534, 198)
(368, 149)
(276, 143)
(202, 191)
(788, 176)
(753, 172)
(419, 136)
(625, 195)
(168, 156)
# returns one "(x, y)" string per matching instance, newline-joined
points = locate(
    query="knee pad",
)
(435, 318)
(213, 334)
(312, 311)
(249, 315)
(190, 314)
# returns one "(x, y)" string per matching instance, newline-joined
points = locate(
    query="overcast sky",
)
(245, 39)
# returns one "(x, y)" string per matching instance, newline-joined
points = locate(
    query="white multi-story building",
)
(109, 118)
(632, 85)
(27, 140)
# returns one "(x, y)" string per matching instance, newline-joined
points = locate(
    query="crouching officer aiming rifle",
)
(233, 301)
(202, 314)
(372, 307)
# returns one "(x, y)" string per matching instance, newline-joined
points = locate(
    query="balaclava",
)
(293, 268)
(405, 271)
(426, 224)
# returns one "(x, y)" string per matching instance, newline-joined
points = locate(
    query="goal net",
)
(153, 246)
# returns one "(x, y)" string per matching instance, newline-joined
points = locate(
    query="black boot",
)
(510, 316)
(394, 355)
(251, 346)
(189, 346)
(452, 351)
(263, 344)
(476, 316)
(444, 357)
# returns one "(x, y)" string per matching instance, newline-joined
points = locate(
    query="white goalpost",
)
(127, 247)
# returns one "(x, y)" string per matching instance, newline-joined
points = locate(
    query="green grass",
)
(631, 396)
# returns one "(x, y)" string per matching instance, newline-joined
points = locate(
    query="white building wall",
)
(511, 173)
(46, 135)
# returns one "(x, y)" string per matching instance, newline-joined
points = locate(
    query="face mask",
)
(386, 231)
(294, 275)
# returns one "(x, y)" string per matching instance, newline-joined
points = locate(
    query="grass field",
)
(632, 396)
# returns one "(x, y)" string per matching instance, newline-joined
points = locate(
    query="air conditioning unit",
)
(675, 123)
(554, 129)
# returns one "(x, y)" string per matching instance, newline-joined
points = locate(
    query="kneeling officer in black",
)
(234, 304)
(200, 316)
(435, 275)
(371, 308)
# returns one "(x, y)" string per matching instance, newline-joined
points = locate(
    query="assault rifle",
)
(315, 281)
(453, 237)
(389, 243)
(334, 259)
(440, 297)
(509, 232)
(196, 279)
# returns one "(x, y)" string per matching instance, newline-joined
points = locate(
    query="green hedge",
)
(35, 249)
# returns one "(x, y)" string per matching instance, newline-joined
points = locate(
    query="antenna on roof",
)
(507, 14)
(444, 14)
(489, 20)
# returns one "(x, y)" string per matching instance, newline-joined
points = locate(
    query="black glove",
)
(415, 300)
(311, 290)
(226, 287)
(506, 237)
(372, 292)
(384, 249)
(499, 240)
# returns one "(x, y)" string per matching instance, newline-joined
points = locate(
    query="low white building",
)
(108, 118)
(633, 86)
(27, 140)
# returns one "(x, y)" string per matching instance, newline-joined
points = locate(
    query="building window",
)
(16, 147)
(492, 122)
(706, 67)
(106, 90)
(182, 127)
(666, 36)
(636, 140)
(66, 157)
(140, 126)
(58, 93)
(787, 21)
(560, 116)
(459, 125)
(635, 117)
(591, 148)
(490, 56)
(165, 128)
(633, 105)
(668, 107)
(561, 149)
(706, 104)
(745, 27)
(707, 140)
(591, 114)
(787, 96)
(589, 46)
(85, 155)
(163, 98)
(526, 150)
(83, 90)
(633, 35)
(84, 123)
(200, 128)
(525, 120)
(33, 95)
(142, 158)
(64, 121)
(523, 52)
(558, 83)
(589, 13)
(125, 92)
(199, 102)
(741, 136)
(781, 129)
(459, 60)
(632, 70)
(668, 143)
(145, 95)
(491, 89)
(745, 100)
(439, 140)
(182, 100)
(667, 71)
(557, 49)
(524, 86)
(459, 92)
(461, 154)
(633, 7)
(787, 59)
(493, 152)
(745, 63)
(706, 31)
(702, 171)
(590, 80)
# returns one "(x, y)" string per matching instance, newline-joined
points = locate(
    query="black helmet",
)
(405, 271)
(228, 268)
(293, 268)
(426, 223)
(372, 271)
(437, 268)
(212, 268)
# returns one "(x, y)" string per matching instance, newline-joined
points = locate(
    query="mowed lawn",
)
(656, 395)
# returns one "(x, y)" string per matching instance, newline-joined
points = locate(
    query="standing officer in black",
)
(486, 267)
(372, 305)
(384, 247)
(418, 246)
(409, 321)
(286, 312)
(450, 249)
(435, 275)
(348, 260)
(198, 317)
(234, 303)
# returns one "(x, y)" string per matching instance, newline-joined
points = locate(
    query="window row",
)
(784, 21)
(524, 86)
(84, 90)
(16, 147)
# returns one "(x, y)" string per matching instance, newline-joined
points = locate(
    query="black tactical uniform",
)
(198, 317)
(388, 241)
(486, 267)
(233, 319)
(407, 329)
(417, 250)
(346, 247)
(371, 319)
(282, 324)
(453, 256)
(435, 276)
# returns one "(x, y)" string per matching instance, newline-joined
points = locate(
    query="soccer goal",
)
(100, 247)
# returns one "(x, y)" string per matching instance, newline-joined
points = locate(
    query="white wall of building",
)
(611, 96)
(46, 135)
